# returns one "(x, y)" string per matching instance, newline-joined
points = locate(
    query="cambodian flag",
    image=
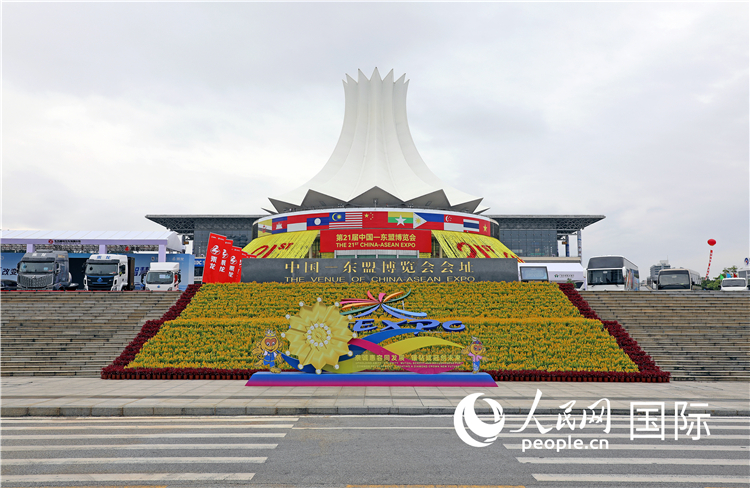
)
(279, 225)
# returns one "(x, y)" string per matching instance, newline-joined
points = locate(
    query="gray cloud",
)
(638, 111)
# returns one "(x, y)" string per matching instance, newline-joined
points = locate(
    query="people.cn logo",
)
(486, 431)
(215, 249)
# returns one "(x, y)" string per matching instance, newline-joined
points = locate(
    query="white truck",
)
(162, 277)
(109, 272)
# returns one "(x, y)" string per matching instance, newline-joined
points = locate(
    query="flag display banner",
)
(344, 240)
(466, 245)
(432, 221)
(346, 220)
(374, 219)
(287, 245)
(279, 225)
(265, 227)
(401, 218)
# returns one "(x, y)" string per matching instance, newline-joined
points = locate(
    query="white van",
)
(734, 284)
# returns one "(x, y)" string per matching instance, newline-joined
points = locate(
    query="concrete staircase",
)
(698, 335)
(72, 333)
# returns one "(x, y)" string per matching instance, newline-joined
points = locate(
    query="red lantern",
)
(711, 242)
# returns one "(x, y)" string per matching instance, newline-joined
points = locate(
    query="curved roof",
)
(375, 162)
(171, 240)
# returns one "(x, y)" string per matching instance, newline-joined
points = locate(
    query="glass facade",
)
(530, 242)
(239, 237)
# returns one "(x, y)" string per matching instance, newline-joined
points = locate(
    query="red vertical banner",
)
(218, 256)
(234, 271)
(213, 253)
(226, 254)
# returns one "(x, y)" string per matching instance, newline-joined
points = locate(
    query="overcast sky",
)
(635, 111)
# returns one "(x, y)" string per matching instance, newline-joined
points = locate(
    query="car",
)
(9, 285)
(734, 284)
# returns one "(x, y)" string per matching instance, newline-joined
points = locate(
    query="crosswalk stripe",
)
(641, 478)
(530, 434)
(660, 447)
(134, 460)
(629, 461)
(144, 447)
(12, 437)
(181, 419)
(140, 427)
(125, 477)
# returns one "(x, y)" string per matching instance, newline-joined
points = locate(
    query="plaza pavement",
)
(82, 397)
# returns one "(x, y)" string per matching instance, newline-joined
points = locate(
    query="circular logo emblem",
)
(487, 431)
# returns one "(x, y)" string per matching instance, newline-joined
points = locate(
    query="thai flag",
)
(279, 225)
(346, 220)
(471, 225)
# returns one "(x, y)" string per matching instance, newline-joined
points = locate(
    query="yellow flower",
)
(318, 336)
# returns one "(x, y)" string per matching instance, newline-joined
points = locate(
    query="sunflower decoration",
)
(318, 335)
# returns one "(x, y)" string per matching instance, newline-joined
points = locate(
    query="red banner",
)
(218, 257)
(344, 240)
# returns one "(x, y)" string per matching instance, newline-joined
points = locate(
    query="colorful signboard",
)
(294, 245)
(462, 245)
(397, 270)
(375, 219)
(341, 240)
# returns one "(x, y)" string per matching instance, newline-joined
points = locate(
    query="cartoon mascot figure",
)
(269, 351)
(475, 351)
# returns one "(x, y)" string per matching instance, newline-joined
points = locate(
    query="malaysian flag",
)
(345, 220)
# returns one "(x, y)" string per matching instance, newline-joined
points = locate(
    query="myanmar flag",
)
(401, 218)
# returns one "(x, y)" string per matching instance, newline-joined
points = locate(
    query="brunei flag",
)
(405, 219)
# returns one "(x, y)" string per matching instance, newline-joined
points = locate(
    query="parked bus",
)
(678, 279)
(612, 273)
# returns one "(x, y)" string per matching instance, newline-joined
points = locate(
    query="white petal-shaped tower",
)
(375, 162)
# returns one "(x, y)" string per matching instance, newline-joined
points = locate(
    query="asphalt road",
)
(368, 451)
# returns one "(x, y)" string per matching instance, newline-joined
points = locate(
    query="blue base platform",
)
(459, 380)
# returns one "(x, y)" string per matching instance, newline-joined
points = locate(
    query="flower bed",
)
(437, 300)
(537, 332)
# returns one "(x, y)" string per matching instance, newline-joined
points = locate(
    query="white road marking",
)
(180, 420)
(149, 427)
(641, 478)
(144, 447)
(527, 435)
(662, 447)
(9, 437)
(595, 460)
(134, 460)
(125, 477)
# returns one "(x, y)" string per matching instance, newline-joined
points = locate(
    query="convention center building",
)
(376, 197)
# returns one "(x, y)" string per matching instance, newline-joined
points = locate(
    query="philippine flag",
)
(432, 221)
(279, 225)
